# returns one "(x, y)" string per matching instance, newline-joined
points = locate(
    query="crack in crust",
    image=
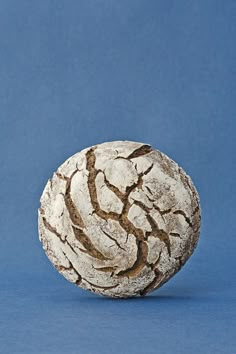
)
(159, 233)
(175, 234)
(113, 239)
(72, 209)
(153, 265)
(106, 269)
(156, 232)
(154, 283)
(140, 151)
(181, 212)
(196, 210)
(101, 287)
(77, 220)
(162, 212)
(141, 261)
(52, 229)
(90, 165)
(114, 189)
(176, 212)
(79, 279)
(88, 245)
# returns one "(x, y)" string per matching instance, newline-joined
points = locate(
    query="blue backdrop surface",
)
(77, 73)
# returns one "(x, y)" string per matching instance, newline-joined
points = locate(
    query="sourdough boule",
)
(119, 218)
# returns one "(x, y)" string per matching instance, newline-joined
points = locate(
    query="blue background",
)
(77, 73)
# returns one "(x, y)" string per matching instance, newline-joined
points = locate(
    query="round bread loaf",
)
(119, 218)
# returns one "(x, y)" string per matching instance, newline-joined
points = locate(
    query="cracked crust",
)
(119, 219)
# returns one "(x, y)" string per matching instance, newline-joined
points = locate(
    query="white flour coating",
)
(119, 219)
